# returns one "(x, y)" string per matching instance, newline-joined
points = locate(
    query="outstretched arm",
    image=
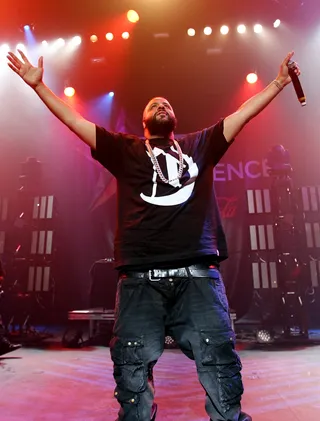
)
(234, 123)
(32, 75)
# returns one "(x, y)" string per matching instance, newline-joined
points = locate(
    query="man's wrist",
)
(281, 81)
(277, 84)
(38, 87)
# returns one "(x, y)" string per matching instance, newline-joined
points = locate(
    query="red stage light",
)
(69, 91)
(93, 38)
(109, 36)
(125, 35)
(252, 78)
(277, 23)
(258, 28)
(60, 42)
(241, 29)
(76, 40)
(224, 30)
(133, 16)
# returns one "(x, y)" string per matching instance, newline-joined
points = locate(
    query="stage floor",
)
(56, 384)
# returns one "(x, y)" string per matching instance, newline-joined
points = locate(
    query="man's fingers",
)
(14, 63)
(40, 62)
(14, 59)
(14, 68)
(24, 57)
(288, 58)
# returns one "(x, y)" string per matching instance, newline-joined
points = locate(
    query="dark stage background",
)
(203, 78)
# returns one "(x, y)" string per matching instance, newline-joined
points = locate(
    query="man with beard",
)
(168, 246)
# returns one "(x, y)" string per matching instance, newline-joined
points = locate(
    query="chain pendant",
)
(156, 165)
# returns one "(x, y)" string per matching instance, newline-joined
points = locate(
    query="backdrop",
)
(203, 78)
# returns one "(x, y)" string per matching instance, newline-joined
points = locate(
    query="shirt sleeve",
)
(217, 144)
(109, 150)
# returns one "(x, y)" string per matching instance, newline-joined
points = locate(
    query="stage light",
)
(133, 16)
(69, 91)
(169, 340)
(224, 30)
(241, 29)
(93, 38)
(125, 35)
(207, 30)
(27, 30)
(277, 23)
(111, 94)
(27, 27)
(109, 36)
(45, 43)
(60, 42)
(21, 47)
(257, 28)
(264, 337)
(252, 78)
(191, 32)
(4, 48)
(76, 40)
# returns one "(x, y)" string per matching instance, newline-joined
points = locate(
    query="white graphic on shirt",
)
(185, 190)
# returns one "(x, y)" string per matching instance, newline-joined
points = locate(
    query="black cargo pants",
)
(195, 309)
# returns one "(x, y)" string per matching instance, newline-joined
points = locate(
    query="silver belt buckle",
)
(173, 272)
(151, 272)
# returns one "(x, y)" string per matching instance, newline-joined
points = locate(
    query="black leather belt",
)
(197, 271)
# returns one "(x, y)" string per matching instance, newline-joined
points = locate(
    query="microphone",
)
(296, 83)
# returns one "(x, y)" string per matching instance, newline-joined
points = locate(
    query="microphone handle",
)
(296, 84)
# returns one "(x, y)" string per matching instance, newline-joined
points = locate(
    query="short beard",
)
(162, 127)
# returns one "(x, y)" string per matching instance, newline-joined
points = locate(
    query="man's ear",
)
(144, 124)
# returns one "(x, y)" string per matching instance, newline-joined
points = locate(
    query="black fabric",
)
(195, 312)
(161, 224)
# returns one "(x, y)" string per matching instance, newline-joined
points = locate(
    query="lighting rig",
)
(31, 289)
(288, 318)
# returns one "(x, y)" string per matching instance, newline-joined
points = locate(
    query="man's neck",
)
(147, 135)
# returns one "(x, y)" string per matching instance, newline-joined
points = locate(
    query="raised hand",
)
(30, 74)
(283, 75)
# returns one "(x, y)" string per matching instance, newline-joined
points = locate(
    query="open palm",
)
(30, 74)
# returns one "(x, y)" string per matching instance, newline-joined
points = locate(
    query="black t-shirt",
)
(159, 224)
